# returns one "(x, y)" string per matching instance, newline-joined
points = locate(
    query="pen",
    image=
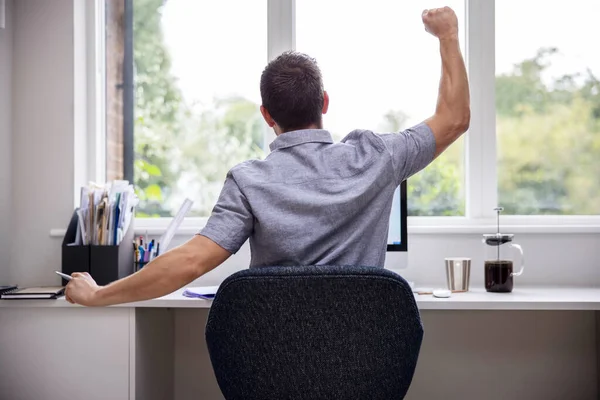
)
(65, 276)
(157, 249)
(150, 250)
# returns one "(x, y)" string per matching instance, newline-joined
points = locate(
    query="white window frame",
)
(95, 164)
(480, 140)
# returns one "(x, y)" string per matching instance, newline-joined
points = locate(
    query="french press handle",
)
(520, 250)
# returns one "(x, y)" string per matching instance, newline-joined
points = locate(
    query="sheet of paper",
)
(201, 292)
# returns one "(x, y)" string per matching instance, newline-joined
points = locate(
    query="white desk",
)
(141, 350)
(528, 298)
(521, 299)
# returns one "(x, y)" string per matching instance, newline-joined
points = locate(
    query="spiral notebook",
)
(41, 292)
(4, 289)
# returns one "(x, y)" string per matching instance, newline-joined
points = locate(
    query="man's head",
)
(292, 93)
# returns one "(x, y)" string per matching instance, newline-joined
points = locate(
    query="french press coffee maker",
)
(499, 262)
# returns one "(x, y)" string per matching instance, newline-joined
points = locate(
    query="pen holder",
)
(104, 263)
(111, 263)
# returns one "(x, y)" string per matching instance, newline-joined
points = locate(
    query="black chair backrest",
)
(325, 332)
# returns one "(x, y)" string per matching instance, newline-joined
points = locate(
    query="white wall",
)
(43, 135)
(551, 259)
(6, 73)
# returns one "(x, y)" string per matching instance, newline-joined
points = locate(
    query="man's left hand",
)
(82, 289)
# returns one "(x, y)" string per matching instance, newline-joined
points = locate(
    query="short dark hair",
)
(291, 87)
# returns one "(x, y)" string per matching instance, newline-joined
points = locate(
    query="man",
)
(310, 202)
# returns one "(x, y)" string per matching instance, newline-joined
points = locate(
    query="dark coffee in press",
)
(499, 276)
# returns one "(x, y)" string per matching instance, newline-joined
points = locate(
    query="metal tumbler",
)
(458, 272)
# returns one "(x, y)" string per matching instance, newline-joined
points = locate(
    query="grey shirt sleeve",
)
(411, 150)
(231, 221)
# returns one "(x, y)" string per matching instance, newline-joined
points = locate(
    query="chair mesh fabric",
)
(325, 332)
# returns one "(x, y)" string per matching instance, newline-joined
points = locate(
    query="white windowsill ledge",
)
(419, 226)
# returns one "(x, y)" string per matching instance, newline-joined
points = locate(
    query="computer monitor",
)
(397, 246)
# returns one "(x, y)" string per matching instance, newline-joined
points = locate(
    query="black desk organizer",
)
(104, 263)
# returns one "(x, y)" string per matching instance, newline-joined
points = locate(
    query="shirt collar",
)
(293, 138)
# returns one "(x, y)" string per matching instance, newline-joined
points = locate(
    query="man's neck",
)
(312, 126)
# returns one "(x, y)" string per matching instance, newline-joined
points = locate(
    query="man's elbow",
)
(462, 122)
(452, 123)
(202, 255)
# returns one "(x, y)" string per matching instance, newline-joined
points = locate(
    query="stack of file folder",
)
(105, 213)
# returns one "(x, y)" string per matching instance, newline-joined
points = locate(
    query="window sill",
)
(420, 225)
(481, 229)
(509, 224)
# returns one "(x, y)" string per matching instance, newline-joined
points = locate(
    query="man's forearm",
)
(453, 100)
(452, 114)
(165, 274)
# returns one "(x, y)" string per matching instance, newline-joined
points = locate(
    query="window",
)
(197, 70)
(182, 97)
(548, 107)
(382, 71)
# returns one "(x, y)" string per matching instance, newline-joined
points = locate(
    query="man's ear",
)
(325, 102)
(268, 119)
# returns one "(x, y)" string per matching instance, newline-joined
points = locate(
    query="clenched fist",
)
(81, 289)
(441, 23)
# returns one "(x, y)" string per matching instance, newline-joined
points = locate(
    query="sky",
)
(375, 56)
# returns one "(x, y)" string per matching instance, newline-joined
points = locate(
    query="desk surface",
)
(523, 298)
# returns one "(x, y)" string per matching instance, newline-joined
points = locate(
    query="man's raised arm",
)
(452, 113)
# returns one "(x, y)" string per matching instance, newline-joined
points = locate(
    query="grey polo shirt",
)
(315, 202)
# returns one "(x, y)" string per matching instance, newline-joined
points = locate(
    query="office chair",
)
(320, 332)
